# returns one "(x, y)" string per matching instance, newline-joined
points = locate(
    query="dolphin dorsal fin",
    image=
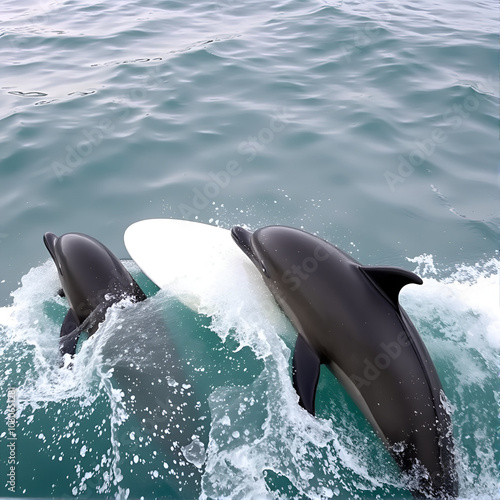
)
(390, 280)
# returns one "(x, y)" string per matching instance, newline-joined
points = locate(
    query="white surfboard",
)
(200, 264)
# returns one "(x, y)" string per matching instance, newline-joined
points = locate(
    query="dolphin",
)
(348, 316)
(92, 280)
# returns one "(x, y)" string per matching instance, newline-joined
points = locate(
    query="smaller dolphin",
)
(348, 317)
(92, 280)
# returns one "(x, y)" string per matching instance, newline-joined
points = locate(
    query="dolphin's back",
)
(374, 349)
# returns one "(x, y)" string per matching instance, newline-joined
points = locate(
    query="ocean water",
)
(374, 125)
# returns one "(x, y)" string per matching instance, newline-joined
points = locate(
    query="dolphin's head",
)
(279, 252)
(244, 239)
(69, 253)
(72, 250)
(89, 273)
(267, 248)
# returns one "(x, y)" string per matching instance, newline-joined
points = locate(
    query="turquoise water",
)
(372, 124)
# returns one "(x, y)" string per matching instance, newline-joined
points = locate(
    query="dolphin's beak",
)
(50, 240)
(243, 239)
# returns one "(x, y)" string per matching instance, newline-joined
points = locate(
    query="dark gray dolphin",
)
(348, 317)
(92, 280)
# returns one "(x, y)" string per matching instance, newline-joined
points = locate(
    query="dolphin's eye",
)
(264, 270)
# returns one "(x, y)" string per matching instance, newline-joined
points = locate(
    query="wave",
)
(164, 401)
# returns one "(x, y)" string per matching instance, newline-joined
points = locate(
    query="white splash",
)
(258, 431)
